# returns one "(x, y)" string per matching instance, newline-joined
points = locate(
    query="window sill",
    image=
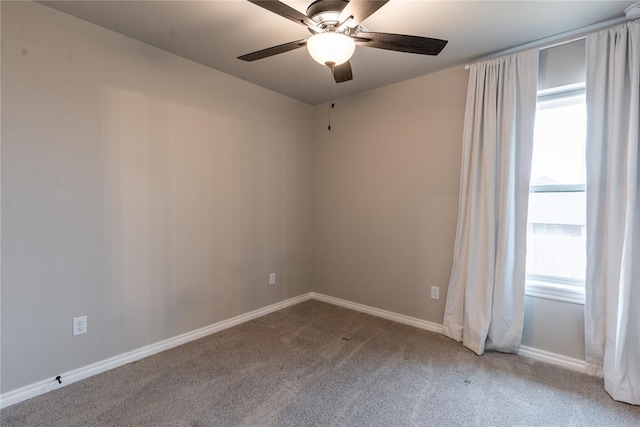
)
(554, 291)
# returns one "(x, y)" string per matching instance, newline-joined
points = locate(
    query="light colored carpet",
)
(315, 364)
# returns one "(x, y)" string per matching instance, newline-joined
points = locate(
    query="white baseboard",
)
(41, 387)
(389, 315)
(530, 352)
(559, 360)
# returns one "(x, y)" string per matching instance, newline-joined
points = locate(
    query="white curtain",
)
(612, 306)
(485, 301)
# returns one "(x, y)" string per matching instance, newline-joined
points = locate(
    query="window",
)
(556, 229)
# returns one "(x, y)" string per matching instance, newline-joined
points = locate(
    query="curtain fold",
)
(485, 300)
(612, 303)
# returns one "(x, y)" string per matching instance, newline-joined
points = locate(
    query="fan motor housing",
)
(326, 12)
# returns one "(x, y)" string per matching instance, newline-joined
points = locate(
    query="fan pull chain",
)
(332, 106)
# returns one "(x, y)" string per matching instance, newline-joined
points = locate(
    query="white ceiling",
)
(214, 33)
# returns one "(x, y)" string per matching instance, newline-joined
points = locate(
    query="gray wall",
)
(554, 326)
(387, 184)
(152, 194)
(562, 65)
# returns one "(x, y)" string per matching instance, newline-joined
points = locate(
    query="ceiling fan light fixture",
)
(331, 48)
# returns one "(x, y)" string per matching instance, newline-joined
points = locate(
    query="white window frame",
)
(549, 287)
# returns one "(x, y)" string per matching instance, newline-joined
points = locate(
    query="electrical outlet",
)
(272, 278)
(79, 325)
(435, 292)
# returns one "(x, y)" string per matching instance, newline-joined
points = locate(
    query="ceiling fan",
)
(336, 30)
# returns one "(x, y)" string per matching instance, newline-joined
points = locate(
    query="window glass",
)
(556, 234)
(559, 140)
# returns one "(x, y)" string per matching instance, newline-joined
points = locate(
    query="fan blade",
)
(285, 11)
(401, 43)
(360, 10)
(270, 51)
(342, 72)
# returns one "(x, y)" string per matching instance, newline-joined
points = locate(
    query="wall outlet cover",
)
(79, 325)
